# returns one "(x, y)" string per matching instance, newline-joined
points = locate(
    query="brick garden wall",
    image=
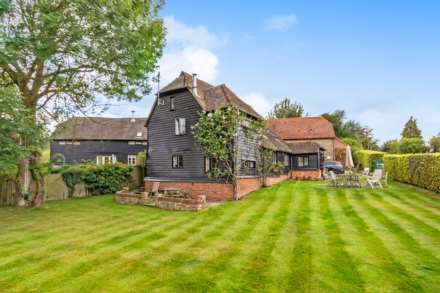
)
(307, 174)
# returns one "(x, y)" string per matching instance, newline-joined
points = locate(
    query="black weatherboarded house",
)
(99, 140)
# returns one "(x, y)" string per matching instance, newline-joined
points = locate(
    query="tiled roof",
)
(302, 128)
(208, 96)
(99, 128)
(304, 147)
(273, 142)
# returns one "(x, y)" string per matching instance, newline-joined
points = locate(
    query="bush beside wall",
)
(422, 170)
(366, 157)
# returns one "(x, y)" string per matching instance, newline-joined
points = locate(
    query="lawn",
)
(295, 236)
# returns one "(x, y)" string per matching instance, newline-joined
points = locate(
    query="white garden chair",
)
(333, 178)
(374, 180)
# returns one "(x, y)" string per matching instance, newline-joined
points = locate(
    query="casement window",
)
(131, 160)
(144, 143)
(76, 143)
(177, 161)
(62, 142)
(303, 162)
(274, 158)
(161, 101)
(180, 126)
(286, 160)
(172, 104)
(104, 160)
(250, 164)
(131, 142)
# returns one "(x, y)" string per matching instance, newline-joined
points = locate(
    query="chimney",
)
(132, 120)
(194, 85)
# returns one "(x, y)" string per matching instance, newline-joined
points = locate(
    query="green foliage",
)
(391, 146)
(141, 157)
(351, 129)
(59, 159)
(72, 176)
(266, 166)
(287, 109)
(411, 130)
(412, 145)
(102, 179)
(18, 134)
(71, 50)
(216, 132)
(366, 158)
(422, 170)
(434, 143)
(105, 179)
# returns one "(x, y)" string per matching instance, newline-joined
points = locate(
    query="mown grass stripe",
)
(202, 276)
(398, 276)
(301, 255)
(338, 265)
(399, 242)
(408, 199)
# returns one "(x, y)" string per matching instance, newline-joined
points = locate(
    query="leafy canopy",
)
(351, 129)
(411, 130)
(287, 109)
(61, 53)
(412, 145)
(435, 143)
(18, 134)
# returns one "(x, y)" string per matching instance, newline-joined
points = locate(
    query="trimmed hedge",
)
(422, 170)
(102, 179)
(366, 157)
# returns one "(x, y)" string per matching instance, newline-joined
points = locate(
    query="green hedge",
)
(100, 179)
(366, 157)
(422, 170)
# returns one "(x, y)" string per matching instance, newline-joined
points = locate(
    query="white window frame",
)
(131, 160)
(104, 160)
(175, 162)
(172, 103)
(161, 101)
(180, 126)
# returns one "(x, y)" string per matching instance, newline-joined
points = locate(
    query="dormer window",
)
(161, 101)
(172, 105)
(139, 134)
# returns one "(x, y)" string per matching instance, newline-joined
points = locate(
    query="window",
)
(303, 161)
(180, 126)
(76, 143)
(144, 143)
(62, 142)
(131, 160)
(131, 142)
(161, 101)
(139, 134)
(250, 164)
(274, 157)
(177, 161)
(207, 164)
(286, 160)
(104, 160)
(138, 143)
(172, 106)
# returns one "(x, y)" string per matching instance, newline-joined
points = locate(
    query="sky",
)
(377, 60)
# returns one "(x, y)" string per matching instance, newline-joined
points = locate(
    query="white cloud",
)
(189, 48)
(280, 22)
(259, 102)
(191, 59)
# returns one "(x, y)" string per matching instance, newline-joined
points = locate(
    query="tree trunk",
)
(234, 189)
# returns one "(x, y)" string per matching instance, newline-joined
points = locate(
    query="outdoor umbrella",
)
(349, 158)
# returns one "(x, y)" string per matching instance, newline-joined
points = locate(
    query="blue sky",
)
(378, 60)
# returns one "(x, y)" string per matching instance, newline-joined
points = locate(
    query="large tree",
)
(411, 130)
(351, 129)
(286, 109)
(62, 54)
(434, 143)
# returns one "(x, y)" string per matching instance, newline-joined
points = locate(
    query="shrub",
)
(366, 158)
(412, 145)
(101, 179)
(422, 170)
(106, 178)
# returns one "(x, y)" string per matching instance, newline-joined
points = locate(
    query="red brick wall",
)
(307, 174)
(214, 191)
(247, 185)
